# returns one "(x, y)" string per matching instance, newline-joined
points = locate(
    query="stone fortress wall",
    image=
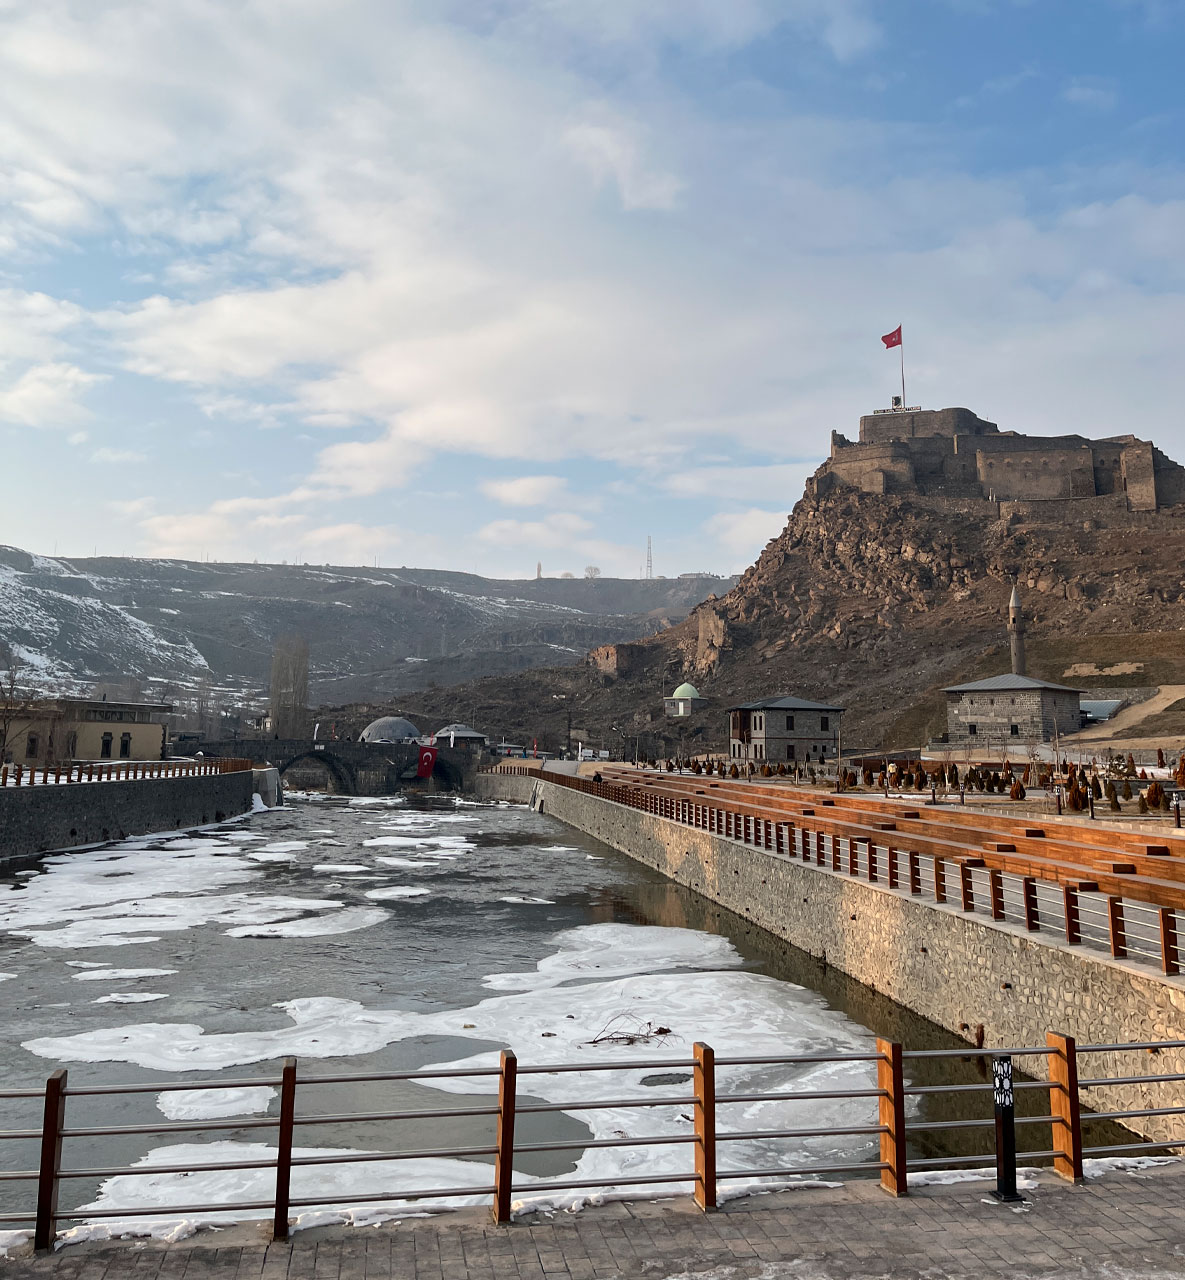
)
(953, 453)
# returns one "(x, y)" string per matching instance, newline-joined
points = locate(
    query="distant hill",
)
(877, 602)
(372, 633)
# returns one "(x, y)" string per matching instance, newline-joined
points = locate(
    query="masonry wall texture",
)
(38, 819)
(959, 971)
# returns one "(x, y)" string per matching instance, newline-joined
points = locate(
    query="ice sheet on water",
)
(340, 867)
(215, 1104)
(131, 997)
(550, 902)
(398, 891)
(407, 862)
(285, 846)
(5, 976)
(115, 975)
(347, 920)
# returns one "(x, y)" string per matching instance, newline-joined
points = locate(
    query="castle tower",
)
(1016, 633)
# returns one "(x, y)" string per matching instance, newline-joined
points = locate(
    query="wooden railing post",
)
(872, 871)
(891, 858)
(1073, 920)
(915, 873)
(966, 887)
(890, 1079)
(52, 1123)
(939, 880)
(1028, 886)
(1116, 927)
(996, 884)
(504, 1158)
(284, 1150)
(704, 1076)
(1169, 958)
(1064, 1107)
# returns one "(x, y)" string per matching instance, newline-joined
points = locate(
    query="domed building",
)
(389, 729)
(683, 702)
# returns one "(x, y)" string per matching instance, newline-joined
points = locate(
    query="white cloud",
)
(610, 153)
(527, 491)
(744, 533)
(755, 484)
(1092, 93)
(558, 530)
(47, 395)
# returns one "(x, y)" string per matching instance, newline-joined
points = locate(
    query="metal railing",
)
(885, 1111)
(1127, 928)
(42, 775)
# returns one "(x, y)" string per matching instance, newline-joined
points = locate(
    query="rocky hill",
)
(878, 602)
(372, 633)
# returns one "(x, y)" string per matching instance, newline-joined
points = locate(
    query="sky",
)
(477, 284)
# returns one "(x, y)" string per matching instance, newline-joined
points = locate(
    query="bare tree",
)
(591, 571)
(15, 702)
(290, 687)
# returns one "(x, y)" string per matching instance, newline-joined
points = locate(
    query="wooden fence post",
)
(704, 1076)
(504, 1159)
(996, 883)
(872, 871)
(890, 1079)
(1168, 941)
(1116, 927)
(891, 858)
(966, 887)
(915, 873)
(1028, 886)
(284, 1150)
(52, 1123)
(1073, 921)
(1064, 1107)
(939, 880)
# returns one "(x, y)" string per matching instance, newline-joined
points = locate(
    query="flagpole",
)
(901, 344)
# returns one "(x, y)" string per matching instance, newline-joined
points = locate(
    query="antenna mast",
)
(649, 558)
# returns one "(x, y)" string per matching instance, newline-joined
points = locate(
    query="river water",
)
(389, 935)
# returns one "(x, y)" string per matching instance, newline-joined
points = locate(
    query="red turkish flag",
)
(892, 339)
(427, 761)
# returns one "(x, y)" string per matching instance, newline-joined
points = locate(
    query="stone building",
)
(683, 703)
(784, 730)
(57, 730)
(1010, 711)
(953, 453)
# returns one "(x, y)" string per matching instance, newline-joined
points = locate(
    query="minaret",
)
(1016, 633)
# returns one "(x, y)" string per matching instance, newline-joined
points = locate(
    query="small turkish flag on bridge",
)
(892, 339)
(427, 761)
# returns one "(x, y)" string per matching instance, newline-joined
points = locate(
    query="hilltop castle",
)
(953, 453)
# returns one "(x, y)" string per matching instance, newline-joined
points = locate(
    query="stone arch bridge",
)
(354, 768)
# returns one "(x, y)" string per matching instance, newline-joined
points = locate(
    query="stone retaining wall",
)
(37, 819)
(959, 971)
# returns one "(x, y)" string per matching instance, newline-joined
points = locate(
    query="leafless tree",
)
(290, 687)
(15, 702)
(591, 571)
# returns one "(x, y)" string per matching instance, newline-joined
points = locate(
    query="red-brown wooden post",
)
(3, 775)
(872, 868)
(1116, 927)
(52, 1123)
(1064, 1107)
(818, 848)
(853, 858)
(704, 1083)
(1168, 941)
(915, 873)
(894, 878)
(504, 1158)
(284, 1150)
(890, 1079)
(1028, 886)
(996, 884)
(939, 879)
(835, 851)
(1073, 919)
(966, 888)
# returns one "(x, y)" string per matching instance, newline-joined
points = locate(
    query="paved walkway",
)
(1118, 1227)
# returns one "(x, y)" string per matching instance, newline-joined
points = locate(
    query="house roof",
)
(783, 704)
(1005, 683)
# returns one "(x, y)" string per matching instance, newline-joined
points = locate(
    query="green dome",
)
(686, 691)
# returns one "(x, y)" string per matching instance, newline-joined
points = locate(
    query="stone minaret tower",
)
(1016, 633)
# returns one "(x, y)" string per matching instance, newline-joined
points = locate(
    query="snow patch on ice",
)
(5, 976)
(346, 921)
(131, 997)
(115, 975)
(215, 1104)
(340, 866)
(397, 891)
(542, 901)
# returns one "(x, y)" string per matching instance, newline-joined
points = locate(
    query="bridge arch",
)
(340, 771)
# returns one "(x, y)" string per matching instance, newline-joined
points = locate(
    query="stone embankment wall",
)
(963, 973)
(37, 819)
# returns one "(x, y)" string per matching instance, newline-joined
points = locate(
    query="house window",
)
(125, 746)
(789, 724)
(790, 751)
(32, 742)
(824, 722)
(1015, 730)
(105, 749)
(972, 730)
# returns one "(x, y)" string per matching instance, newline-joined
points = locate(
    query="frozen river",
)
(383, 935)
